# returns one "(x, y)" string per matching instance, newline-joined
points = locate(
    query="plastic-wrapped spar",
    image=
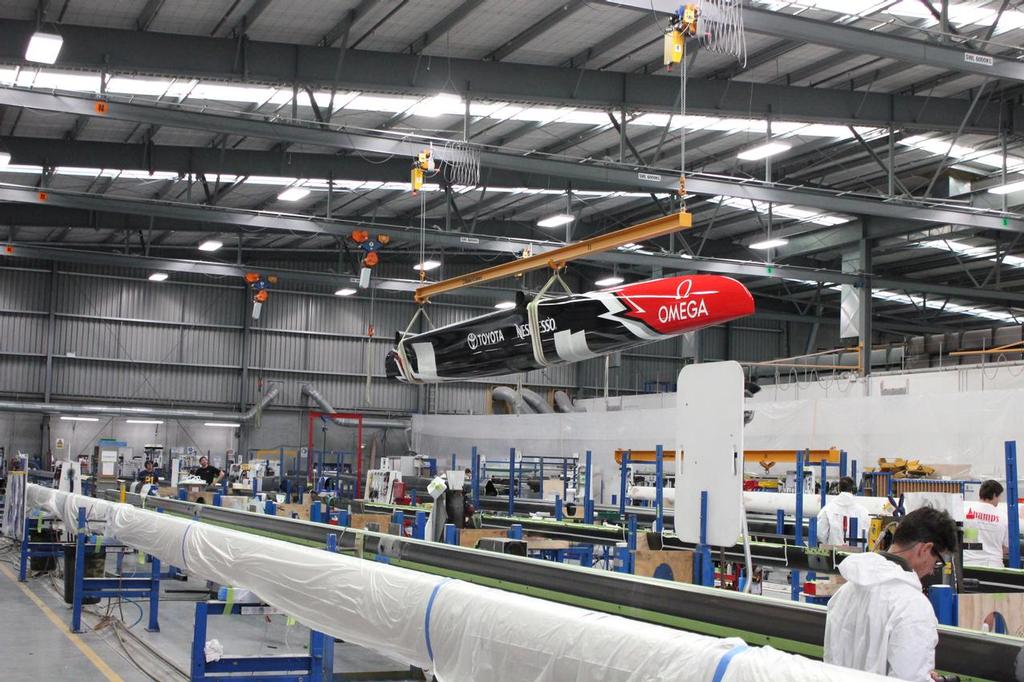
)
(458, 630)
(568, 328)
(768, 503)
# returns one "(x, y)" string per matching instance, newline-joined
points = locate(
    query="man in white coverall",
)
(990, 523)
(880, 621)
(834, 518)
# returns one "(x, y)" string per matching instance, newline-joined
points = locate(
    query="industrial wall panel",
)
(755, 344)
(22, 375)
(214, 305)
(22, 333)
(81, 295)
(284, 310)
(341, 315)
(461, 399)
(713, 343)
(328, 354)
(201, 345)
(277, 350)
(87, 338)
(123, 382)
(144, 342)
(145, 300)
(24, 290)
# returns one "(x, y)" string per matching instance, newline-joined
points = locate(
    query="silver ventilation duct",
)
(140, 412)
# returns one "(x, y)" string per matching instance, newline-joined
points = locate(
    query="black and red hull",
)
(572, 328)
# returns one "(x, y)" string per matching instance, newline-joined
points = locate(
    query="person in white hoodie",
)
(834, 518)
(880, 621)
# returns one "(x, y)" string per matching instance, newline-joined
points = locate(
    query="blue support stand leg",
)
(623, 475)
(659, 503)
(1012, 497)
(588, 497)
(475, 466)
(511, 482)
(943, 600)
(703, 568)
(451, 534)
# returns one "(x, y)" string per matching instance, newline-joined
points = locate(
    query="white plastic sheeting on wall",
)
(459, 630)
(938, 428)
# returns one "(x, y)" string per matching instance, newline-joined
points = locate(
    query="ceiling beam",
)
(582, 58)
(536, 29)
(344, 25)
(862, 41)
(615, 176)
(307, 224)
(116, 51)
(249, 17)
(443, 26)
(148, 14)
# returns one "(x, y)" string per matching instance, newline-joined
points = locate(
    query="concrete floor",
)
(33, 647)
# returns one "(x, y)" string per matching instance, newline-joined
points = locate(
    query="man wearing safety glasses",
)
(880, 621)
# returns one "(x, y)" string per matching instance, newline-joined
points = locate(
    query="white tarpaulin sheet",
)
(937, 428)
(459, 630)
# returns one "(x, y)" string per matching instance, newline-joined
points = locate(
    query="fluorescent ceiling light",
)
(764, 151)
(609, 281)
(145, 421)
(427, 265)
(44, 47)
(345, 292)
(158, 277)
(79, 419)
(505, 305)
(293, 194)
(555, 220)
(439, 104)
(228, 425)
(769, 244)
(210, 245)
(1007, 188)
(5, 158)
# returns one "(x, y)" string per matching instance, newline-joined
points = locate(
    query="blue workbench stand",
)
(36, 550)
(1012, 513)
(944, 601)
(703, 568)
(109, 588)
(317, 666)
(588, 497)
(475, 468)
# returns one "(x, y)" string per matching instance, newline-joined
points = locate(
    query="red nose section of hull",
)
(675, 305)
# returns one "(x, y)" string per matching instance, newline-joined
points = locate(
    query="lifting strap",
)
(403, 360)
(533, 318)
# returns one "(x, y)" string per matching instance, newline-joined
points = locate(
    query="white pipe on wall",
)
(459, 630)
(768, 503)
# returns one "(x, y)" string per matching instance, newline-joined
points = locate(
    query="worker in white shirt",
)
(986, 519)
(880, 621)
(834, 518)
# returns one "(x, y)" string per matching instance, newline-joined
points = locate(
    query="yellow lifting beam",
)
(779, 456)
(557, 258)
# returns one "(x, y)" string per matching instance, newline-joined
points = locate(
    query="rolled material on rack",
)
(768, 503)
(459, 630)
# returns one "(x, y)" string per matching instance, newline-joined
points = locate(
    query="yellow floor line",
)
(63, 627)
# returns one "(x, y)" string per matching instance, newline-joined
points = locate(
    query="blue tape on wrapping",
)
(426, 617)
(184, 536)
(723, 662)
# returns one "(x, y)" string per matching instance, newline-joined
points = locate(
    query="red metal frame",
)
(359, 443)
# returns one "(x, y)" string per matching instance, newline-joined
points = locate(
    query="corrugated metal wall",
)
(118, 337)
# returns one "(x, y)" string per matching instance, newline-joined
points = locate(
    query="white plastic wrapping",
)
(768, 503)
(474, 632)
